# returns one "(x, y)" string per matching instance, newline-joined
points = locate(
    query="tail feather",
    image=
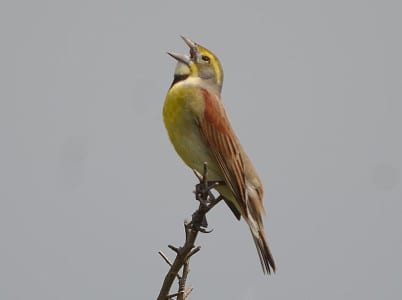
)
(262, 245)
(253, 218)
(264, 252)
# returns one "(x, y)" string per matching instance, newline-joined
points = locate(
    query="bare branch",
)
(194, 251)
(166, 259)
(173, 295)
(187, 292)
(183, 254)
(182, 281)
(175, 249)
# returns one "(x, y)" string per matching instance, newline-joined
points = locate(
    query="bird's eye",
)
(205, 58)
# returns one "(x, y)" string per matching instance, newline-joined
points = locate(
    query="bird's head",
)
(201, 63)
(207, 63)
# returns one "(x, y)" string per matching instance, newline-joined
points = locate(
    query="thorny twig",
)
(183, 254)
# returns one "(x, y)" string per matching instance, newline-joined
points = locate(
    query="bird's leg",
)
(203, 192)
(214, 202)
(207, 199)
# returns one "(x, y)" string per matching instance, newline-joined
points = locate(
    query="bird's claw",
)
(203, 230)
(203, 194)
(202, 227)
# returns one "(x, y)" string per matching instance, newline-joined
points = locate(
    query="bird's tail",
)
(262, 244)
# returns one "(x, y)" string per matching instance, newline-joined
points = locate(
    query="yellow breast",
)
(184, 105)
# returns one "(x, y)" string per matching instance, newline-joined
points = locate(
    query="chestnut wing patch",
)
(218, 133)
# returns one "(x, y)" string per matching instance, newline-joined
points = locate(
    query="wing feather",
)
(225, 146)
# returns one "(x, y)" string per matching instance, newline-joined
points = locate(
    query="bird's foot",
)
(203, 194)
(203, 190)
(199, 222)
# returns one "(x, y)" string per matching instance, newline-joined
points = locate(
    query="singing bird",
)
(200, 131)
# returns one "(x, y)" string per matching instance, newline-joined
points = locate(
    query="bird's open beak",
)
(192, 45)
(189, 42)
(180, 57)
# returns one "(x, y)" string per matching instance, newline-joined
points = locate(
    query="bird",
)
(200, 132)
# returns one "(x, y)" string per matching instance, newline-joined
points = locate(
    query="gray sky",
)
(91, 189)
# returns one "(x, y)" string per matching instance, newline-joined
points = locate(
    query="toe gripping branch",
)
(203, 194)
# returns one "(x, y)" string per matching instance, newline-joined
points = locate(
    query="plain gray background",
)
(91, 189)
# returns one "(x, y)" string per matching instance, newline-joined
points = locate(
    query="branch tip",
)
(175, 249)
(165, 258)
